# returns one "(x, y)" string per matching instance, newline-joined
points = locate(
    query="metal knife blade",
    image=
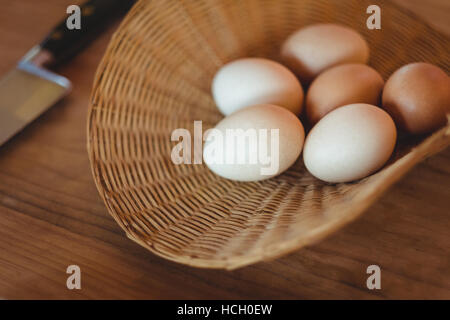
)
(26, 92)
(31, 88)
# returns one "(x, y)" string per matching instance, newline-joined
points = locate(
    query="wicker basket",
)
(155, 77)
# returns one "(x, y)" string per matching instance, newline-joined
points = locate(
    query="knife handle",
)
(63, 43)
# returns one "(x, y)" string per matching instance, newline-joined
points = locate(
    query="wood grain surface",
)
(51, 215)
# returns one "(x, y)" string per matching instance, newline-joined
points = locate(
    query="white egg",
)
(349, 143)
(251, 81)
(254, 143)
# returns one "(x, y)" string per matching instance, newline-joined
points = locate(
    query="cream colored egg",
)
(251, 81)
(317, 47)
(342, 85)
(254, 143)
(349, 143)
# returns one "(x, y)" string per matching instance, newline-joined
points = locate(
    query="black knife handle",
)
(64, 43)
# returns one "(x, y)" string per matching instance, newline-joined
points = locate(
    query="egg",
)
(250, 81)
(417, 96)
(349, 143)
(317, 47)
(254, 143)
(342, 85)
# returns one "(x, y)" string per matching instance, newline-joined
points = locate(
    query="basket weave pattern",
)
(155, 77)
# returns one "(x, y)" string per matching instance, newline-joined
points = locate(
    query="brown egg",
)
(417, 96)
(342, 85)
(317, 47)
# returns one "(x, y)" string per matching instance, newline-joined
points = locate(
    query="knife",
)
(31, 88)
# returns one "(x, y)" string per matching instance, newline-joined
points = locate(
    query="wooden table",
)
(51, 215)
